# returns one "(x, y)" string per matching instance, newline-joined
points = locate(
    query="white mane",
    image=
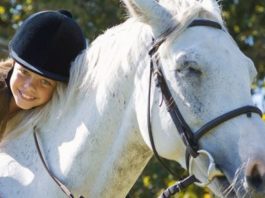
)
(179, 8)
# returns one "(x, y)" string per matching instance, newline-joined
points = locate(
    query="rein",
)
(55, 179)
(189, 138)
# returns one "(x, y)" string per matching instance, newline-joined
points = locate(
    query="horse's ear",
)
(132, 10)
(152, 13)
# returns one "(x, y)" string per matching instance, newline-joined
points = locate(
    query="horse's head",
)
(208, 77)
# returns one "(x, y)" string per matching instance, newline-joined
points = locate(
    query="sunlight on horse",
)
(94, 134)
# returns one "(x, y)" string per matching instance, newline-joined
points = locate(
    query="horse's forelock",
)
(185, 11)
(178, 7)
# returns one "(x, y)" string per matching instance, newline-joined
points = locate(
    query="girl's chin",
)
(23, 106)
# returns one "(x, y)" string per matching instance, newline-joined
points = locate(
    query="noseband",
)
(189, 138)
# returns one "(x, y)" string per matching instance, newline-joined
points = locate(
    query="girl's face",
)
(30, 89)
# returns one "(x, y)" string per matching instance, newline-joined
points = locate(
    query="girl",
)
(42, 51)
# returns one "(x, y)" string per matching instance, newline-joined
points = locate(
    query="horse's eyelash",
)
(191, 70)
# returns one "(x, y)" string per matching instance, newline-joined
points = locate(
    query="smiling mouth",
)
(25, 96)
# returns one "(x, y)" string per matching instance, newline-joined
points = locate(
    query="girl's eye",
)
(23, 71)
(46, 82)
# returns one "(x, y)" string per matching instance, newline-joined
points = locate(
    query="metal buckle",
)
(212, 171)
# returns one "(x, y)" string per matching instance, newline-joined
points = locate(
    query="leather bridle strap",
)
(227, 116)
(206, 23)
(183, 128)
(219, 120)
(56, 180)
(178, 186)
(150, 132)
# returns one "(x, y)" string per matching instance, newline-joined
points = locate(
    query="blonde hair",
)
(5, 66)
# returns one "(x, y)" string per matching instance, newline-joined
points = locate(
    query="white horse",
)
(94, 135)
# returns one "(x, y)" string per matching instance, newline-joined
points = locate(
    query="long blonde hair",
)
(5, 67)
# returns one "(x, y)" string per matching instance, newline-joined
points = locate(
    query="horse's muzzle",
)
(255, 176)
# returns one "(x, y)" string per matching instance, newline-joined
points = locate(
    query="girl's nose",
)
(30, 83)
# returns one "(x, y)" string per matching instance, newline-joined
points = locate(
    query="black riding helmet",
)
(47, 42)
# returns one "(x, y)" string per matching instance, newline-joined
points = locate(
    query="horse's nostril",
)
(254, 179)
(255, 176)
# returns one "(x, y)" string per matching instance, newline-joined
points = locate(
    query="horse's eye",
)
(194, 71)
(189, 68)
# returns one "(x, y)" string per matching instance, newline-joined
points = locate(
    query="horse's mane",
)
(118, 51)
(181, 9)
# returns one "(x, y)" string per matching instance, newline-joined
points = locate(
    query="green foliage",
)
(155, 179)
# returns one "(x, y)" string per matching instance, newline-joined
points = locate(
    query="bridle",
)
(189, 138)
